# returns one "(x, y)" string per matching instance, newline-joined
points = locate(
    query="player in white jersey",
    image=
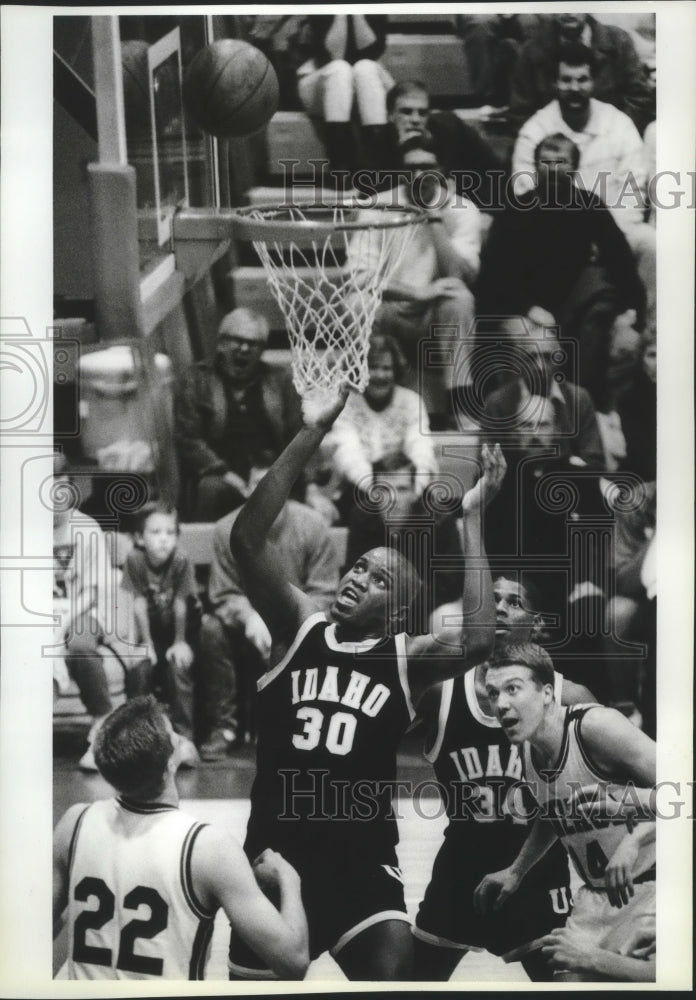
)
(141, 880)
(591, 772)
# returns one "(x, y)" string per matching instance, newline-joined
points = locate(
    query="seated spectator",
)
(631, 610)
(637, 409)
(431, 286)
(386, 420)
(550, 516)
(84, 600)
(228, 408)
(492, 44)
(161, 580)
(465, 155)
(612, 158)
(344, 67)
(234, 635)
(619, 77)
(532, 350)
(409, 524)
(560, 248)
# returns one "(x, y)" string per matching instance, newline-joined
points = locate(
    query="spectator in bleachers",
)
(161, 580)
(234, 635)
(620, 77)
(492, 44)
(612, 157)
(637, 409)
(227, 409)
(547, 493)
(631, 609)
(402, 517)
(84, 601)
(461, 150)
(387, 419)
(559, 248)
(343, 68)
(512, 410)
(432, 283)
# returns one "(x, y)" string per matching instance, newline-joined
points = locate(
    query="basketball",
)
(230, 88)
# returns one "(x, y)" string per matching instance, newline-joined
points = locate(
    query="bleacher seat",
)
(437, 60)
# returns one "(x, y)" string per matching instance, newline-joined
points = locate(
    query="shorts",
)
(446, 917)
(628, 931)
(342, 896)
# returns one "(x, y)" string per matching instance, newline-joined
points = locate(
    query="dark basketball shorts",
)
(343, 894)
(446, 917)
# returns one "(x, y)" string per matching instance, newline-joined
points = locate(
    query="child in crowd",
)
(166, 608)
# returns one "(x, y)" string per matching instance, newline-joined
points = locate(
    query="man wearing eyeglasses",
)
(228, 409)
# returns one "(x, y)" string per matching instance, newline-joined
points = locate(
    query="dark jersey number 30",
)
(128, 960)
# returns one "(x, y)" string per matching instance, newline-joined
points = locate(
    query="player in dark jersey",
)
(332, 708)
(480, 775)
(140, 880)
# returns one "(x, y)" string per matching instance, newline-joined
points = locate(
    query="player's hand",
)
(494, 469)
(151, 654)
(618, 875)
(180, 655)
(562, 951)
(494, 889)
(257, 633)
(271, 868)
(322, 413)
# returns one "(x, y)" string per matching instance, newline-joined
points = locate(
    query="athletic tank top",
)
(589, 834)
(132, 911)
(330, 717)
(480, 771)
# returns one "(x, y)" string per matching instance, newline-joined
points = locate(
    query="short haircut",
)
(384, 343)
(423, 142)
(156, 507)
(532, 596)
(525, 654)
(230, 318)
(403, 88)
(558, 143)
(132, 748)
(576, 54)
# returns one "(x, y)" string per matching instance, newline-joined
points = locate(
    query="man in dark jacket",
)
(228, 410)
(558, 247)
(620, 78)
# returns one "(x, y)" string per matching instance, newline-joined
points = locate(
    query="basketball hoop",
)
(327, 266)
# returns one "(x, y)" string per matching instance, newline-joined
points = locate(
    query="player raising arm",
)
(574, 759)
(339, 695)
(142, 881)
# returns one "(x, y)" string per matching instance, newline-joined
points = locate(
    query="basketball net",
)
(327, 267)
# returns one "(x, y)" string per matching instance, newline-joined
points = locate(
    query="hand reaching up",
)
(488, 485)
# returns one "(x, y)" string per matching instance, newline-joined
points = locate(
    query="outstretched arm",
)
(455, 647)
(223, 876)
(282, 606)
(495, 888)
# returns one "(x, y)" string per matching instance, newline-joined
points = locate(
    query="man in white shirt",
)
(612, 158)
(431, 287)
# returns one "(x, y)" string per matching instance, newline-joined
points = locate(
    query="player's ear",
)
(548, 693)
